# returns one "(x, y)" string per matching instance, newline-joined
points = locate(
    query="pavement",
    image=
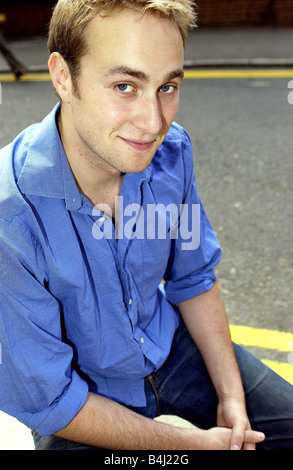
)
(206, 48)
(217, 47)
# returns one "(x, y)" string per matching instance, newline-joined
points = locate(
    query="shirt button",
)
(141, 340)
(130, 301)
(102, 219)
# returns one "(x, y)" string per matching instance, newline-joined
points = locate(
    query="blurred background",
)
(31, 17)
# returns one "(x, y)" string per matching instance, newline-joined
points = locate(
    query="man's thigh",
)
(183, 387)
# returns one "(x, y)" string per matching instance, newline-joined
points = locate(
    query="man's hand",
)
(232, 415)
(220, 439)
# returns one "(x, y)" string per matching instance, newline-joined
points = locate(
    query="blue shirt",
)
(81, 311)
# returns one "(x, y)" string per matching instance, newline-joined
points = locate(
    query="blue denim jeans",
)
(183, 387)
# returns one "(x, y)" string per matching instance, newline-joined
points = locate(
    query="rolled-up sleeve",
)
(38, 385)
(190, 270)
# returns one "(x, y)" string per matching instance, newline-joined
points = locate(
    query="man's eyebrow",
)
(179, 73)
(123, 70)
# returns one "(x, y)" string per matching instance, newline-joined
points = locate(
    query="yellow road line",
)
(282, 369)
(253, 73)
(189, 74)
(270, 339)
(30, 77)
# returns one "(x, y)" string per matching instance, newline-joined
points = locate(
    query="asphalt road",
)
(242, 135)
(241, 130)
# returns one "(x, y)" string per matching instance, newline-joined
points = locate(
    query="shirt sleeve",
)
(196, 250)
(38, 385)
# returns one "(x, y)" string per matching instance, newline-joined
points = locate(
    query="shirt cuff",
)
(176, 293)
(65, 408)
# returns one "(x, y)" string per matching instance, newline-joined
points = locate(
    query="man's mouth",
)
(139, 144)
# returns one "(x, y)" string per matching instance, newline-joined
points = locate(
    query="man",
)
(93, 344)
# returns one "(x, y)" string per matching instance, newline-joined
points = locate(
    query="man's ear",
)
(60, 75)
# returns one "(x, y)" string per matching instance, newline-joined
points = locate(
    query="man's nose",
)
(149, 116)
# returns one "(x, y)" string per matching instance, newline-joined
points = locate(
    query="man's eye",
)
(125, 88)
(168, 89)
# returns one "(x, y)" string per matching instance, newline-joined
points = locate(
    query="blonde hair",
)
(71, 17)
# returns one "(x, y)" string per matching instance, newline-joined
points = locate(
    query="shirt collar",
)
(46, 171)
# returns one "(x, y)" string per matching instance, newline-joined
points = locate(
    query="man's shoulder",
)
(21, 160)
(13, 155)
(177, 143)
(173, 162)
(175, 151)
(177, 132)
(12, 159)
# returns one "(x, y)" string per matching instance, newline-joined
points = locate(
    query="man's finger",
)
(247, 442)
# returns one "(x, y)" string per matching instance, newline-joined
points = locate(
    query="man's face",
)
(128, 90)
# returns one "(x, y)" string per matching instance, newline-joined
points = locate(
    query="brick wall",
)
(26, 18)
(31, 17)
(245, 12)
